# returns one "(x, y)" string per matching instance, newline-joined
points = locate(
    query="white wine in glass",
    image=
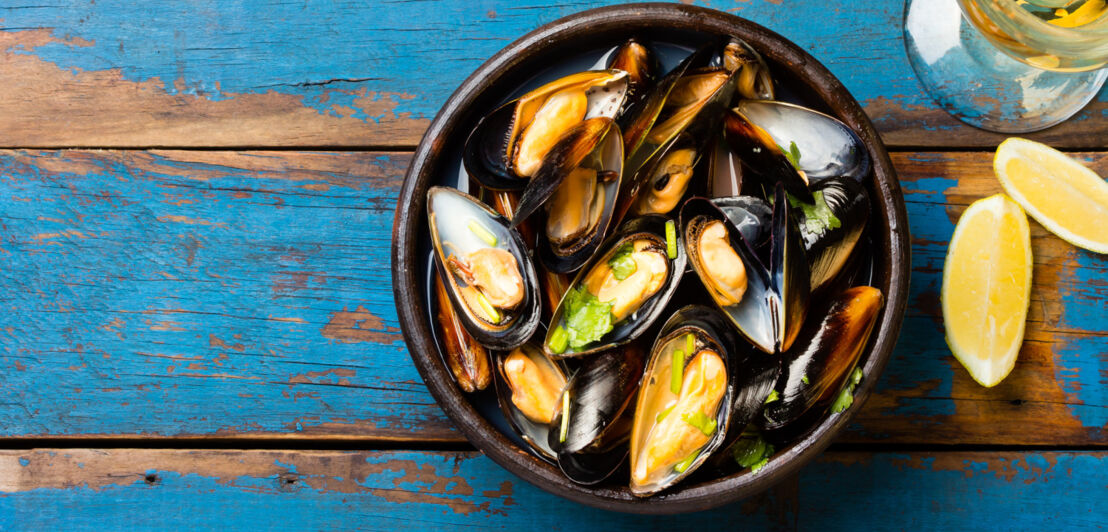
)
(1010, 66)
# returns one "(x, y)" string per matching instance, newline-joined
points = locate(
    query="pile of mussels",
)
(606, 185)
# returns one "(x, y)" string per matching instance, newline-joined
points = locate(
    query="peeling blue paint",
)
(330, 53)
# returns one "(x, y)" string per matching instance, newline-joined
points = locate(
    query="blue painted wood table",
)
(197, 326)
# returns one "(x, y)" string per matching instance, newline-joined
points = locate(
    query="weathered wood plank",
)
(247, 295)
(78, 489)
(263, 73)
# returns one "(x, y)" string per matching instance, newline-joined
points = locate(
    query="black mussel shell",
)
(598, 425)
(639, 117)
(485, 154)
(773, 307)
(640, 64)
(651, 227)
(832, 226)
(457, 208)
(595, 143)
(762, 155)
(752, 216)
(753, 80)
(824, 355)
(713, 331)
(824, 146)
(725, 173)
(535, 434)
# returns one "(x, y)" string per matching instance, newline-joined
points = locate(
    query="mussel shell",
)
(485, 154)
(467, 360)
(776, 300)
(712, 331)
(827, 147)
(639, 117)
(726, 177)
(756, 82)
(825, 354)
(752, 216)
(653, 227)
(827, 247)
(456, 207)
(641, 65)
(762, 155)
(597, 138)
(537, 435)
(600, 394)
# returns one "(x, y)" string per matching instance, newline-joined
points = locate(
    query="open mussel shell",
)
(684, 405)
(508, 145)
(725, 173)
(762, 156)
(590, 442)
(826, 352)
(460, 226)
(754, 81)
(825, 147)
(640, 116)
(529, 388)
(577, 183)
(832, 226)
(769, 305)
(574, 329)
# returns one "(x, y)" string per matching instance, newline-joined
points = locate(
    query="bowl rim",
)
(407, 291)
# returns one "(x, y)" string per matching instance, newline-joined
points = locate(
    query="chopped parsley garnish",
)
(792, 154)
(677, 371)
(671, 239)
(701, 421)
(846, 395)
(559, 340)
(818, 217)
(662, 415)
(622, 263)
(804, 379)
(773, 396)
(684, 464)
(752, 451)
(587, 319)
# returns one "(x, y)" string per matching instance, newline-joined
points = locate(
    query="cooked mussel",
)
(620, 291)
(641, 66)
(824, 355)
(529, 390)
(509, 145)
(577, 183)
(783, 141)
(753, 81)
(763, 289)
(590, 441)
(683, 408)
(486, 268)
(832, 226)
(468, 360)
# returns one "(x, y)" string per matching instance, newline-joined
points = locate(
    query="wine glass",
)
(1010, 66)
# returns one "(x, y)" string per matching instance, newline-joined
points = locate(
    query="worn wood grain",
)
(88, 489)
(195, 294)
(265, 73)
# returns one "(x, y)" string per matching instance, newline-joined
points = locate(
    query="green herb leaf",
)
(587, 319)
(792, 154)
(559, 340)
(622, 263)
(818, 217)
(671, 239)
(846, 395)
(486, 305)
(804, 379)
(677, 371)
(701, 421)
(752, 451)
(684, 464)
(484, 234)
(565, 418)
(662, 415)
(773, 396)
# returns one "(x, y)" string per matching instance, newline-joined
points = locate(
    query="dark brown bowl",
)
(436, 160)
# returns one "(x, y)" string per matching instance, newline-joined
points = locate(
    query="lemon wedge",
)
(1060, 193)
(987, 288)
